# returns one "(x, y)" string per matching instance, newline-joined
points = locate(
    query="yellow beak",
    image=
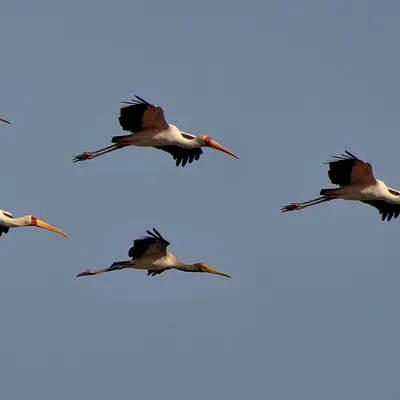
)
(214, 271)
(45, 225)
(217, 146)
(4, 120)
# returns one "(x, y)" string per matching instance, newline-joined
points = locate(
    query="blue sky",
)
(311, 310)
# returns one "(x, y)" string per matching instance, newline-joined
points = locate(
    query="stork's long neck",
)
(172, 262)
(186, 267)
(194, 143)
(16, 222)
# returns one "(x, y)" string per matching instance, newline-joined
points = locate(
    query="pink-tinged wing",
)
(140, 115)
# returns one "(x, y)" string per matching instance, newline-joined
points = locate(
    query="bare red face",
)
(213, 144)
(207, 140)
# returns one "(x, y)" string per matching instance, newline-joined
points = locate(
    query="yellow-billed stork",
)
(150, 129)
(7, 221)
(357, 182)
(150, 253)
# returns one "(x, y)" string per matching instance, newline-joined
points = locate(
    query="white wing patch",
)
(7, 214)
(394, 192)
(188, 135)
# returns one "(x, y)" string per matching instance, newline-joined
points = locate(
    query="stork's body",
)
(356, 182)
(149, 128)
(153, 137)
(150, 253)
(7, 221)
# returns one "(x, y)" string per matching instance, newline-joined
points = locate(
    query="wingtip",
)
(143, 100)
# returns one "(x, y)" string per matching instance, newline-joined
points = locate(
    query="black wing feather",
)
(340, 171)
(182, 155)
(387, 210)
(131, 116)
(141, 245)
(3, 229)
(154, 273)
(159, 235)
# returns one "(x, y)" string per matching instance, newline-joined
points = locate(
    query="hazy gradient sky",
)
(312, 311)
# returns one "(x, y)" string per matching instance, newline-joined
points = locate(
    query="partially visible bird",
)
(4, 120)
(150, 253)
(149, 128)
(7, 221)
(356, 181)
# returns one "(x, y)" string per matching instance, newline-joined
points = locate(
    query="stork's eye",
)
(207, 140)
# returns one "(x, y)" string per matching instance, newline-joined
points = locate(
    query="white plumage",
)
(7, 221)
(150, 253)
(356, 182)
(149, 128)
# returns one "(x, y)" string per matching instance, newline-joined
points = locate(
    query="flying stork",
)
(149, 128)
(150, 253)
(4, 120)
(356, 181)
(7, 221)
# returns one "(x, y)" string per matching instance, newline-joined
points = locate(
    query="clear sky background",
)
(312, 310)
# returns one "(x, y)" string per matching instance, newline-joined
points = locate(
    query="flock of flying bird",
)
(148, 127)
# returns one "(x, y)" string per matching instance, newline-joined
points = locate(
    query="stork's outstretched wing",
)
(348, 169)
(149, 245)
(387, 210)
(181, 155)
(140, 115)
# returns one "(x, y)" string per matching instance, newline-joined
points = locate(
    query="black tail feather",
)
(324, 192)
(116, 139)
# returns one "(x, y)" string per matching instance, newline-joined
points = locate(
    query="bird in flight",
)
(7, 221)
(4, 120)
(357, 182)
(150, 253)
(149, 128)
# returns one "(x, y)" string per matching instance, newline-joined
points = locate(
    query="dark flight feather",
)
(141, 244)
(157, 272)
(387, 210)
(181, 155)
(131, 116)
(3, 229)
(340, 170)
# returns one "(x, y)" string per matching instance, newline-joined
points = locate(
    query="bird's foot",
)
(291, 207)
(82, 157)
(86, 273)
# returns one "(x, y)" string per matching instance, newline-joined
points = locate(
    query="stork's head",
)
(4, 120)
(210, 142)
(210, 270)
(34, 221)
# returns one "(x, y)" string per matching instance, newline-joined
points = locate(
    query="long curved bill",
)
(217, 146)
(4, 120)
(45, 225)
(214, 271)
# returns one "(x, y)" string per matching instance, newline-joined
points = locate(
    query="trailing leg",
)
(299, 206)
(113, 267)
(97, 153)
